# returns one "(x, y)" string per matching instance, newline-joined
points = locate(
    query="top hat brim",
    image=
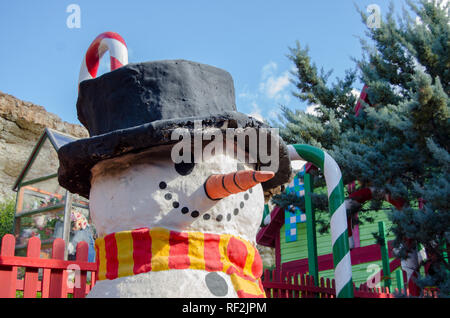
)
(77, 158)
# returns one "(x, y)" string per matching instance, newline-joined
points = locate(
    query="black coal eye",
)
(162, 185)
(184, 168)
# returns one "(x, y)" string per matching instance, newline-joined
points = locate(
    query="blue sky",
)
(40, 56)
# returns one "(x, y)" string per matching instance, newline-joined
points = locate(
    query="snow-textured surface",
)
(130, 198)
(187, 283)
(145, 190)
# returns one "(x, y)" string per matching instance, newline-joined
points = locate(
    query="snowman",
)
(171, 227)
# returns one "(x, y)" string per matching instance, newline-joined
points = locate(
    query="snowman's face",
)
(150, 190)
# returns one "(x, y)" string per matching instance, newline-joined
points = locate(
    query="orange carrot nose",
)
(219, 186)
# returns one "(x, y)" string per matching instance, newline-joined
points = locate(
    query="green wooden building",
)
(291, 251)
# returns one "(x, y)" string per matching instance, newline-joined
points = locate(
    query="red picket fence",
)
(49, 277)
(279, 284)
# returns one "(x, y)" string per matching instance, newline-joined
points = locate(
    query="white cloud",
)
(272, 89)
(287, 98)
(442, 5)
(256, 112)
(268, 70)
(273, 114)
(355, 92)
(247, 95)
(273, 84)
(311, 110)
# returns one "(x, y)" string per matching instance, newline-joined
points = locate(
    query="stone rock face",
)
(21, 125)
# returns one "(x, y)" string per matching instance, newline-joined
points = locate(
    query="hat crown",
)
(141, 93)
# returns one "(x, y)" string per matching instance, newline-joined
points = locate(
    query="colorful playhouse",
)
(299, 248)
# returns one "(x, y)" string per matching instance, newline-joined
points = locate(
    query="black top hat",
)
(139, 105)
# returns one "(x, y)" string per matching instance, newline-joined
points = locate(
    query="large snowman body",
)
(149, 190)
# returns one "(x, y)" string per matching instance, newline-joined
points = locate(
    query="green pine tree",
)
(399, 143)
(7, 209)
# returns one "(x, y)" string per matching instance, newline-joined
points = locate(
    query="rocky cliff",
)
(21, 125)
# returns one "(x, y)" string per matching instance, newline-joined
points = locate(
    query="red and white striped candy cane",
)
(107, 41)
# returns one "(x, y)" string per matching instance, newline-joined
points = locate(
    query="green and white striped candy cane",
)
(339, 235)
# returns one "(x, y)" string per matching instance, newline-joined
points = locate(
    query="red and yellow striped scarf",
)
(143, 250)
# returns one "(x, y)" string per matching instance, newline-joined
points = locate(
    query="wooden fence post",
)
(79, 290)
(274, 276)
(328, 284)
(266, 278)
(8, 274)
(58, 278)
(303, 283)
(322, 285)
(31, 274)
(296, 283)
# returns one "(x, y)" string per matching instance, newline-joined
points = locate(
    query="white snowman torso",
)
(147, 190)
